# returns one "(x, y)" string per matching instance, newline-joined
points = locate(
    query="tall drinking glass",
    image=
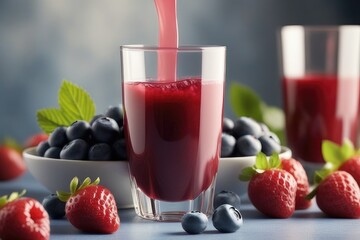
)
(173, 127)
(320, 76)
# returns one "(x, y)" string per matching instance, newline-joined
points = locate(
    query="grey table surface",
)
(303, 225)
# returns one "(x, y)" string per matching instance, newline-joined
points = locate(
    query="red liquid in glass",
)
(173, 132)
(318, 108)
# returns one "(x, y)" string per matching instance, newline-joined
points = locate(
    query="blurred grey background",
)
(45, 41)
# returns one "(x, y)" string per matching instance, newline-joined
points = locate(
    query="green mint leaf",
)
(347, 149)
(332, 153)
(75, 102)
(261, 161)
(245, 102)
(274, 161)
(247, 174)
(51, 118)
(273, 117)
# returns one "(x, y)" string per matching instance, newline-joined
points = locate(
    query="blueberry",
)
(248, 145)
(246, 126)
(227, 144)
(264, 128)
(116, 113)
(269, 145)
(227, 197)
(121, 132)
(42, 147)
(194, 222)
(54, 206)
(100, 151)
(228, 125)
(58, 137)
(119, 149)
(227, 219)
(105, 129)
(52, 152)
(76, 150)
(78, 129)
(274, 137)
(95, 118)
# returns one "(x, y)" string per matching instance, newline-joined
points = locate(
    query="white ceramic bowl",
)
(230, 169)
(56, 174)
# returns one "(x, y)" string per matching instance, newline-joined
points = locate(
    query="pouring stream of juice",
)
(168, 38)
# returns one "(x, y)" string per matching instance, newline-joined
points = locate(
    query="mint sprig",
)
(75, 104)
(245, 102)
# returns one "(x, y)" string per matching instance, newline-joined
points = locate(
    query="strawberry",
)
(338, 195)
(91, 207)
(35, 139)
(352, 166)
(23, 218)
(11, 162)
(271, 190)
(297, 170)
(341, 157)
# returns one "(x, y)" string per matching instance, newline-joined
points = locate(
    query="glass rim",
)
(321, 27)
(182, 48)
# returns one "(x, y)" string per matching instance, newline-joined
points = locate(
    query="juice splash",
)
(168, 38)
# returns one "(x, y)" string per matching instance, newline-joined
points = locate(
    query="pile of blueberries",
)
(247, 137)
(100, 139)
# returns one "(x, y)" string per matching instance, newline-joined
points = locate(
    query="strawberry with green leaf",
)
(340, 157)
(271, 189)
(337, 195)
(90, 207)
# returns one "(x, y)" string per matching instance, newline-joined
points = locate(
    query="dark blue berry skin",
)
(76, 150)
(227, 219)
(116, 113)
(100, 151)
(248, 145)
(54, 207)
(227, 197)
(274, 137)
(58, 137)
(95, 118)
(105, 130)
(269, 145)
(78, 129)
(227, 144)
(42, 147)
(246, 126)
(119, 149)
(194, 222)
(228, 125)
(53, 152)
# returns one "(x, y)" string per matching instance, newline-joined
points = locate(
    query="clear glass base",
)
(158, 210)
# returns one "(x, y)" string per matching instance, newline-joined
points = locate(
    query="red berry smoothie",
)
(317, 108)
(173, 133)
